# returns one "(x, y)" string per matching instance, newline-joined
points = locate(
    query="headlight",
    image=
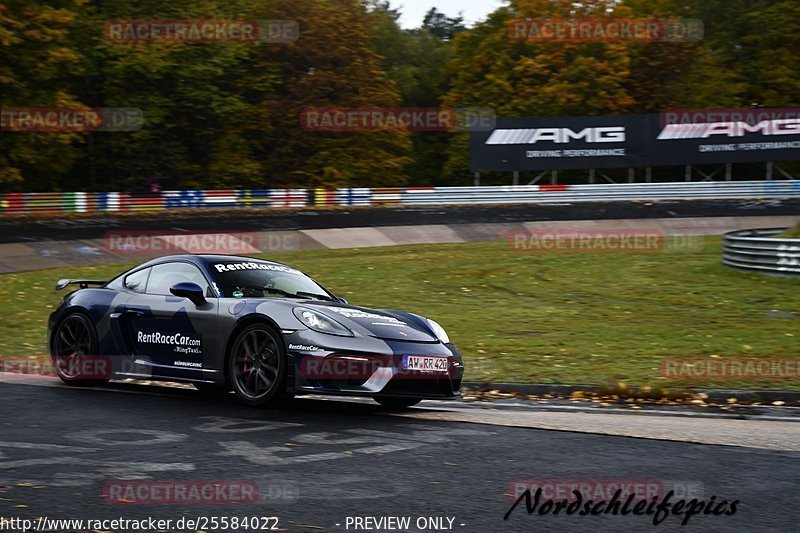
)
(319, 322)
(439, 330)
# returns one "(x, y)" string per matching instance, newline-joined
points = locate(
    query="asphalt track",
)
(28, 229)
(319, 461)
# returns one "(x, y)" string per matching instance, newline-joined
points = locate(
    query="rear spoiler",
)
(82, 283)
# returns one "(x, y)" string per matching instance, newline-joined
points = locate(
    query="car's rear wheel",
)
(395, 402)
(257, 365)
(75, 352)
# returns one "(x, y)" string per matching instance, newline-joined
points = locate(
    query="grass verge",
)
(582, 318)
(791, 233)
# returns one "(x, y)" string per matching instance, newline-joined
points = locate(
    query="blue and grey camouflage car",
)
(262, 329)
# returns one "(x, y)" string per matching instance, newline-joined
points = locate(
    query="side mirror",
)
(187, 289)
(342, 300)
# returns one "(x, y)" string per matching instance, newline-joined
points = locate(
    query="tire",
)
(74, 352)
(396, 402)
(211, 389)
(256, 366)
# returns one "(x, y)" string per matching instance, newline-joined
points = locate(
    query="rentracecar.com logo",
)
(160, 338)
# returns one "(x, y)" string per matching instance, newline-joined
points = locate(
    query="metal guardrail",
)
(758, 250)
(91, 202)
(602, 192)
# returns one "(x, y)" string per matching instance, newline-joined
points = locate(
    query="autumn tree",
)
(518, 78)
(227, 114)
(330, 65)
(36, 57)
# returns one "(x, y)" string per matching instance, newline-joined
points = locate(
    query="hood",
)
(379, 324)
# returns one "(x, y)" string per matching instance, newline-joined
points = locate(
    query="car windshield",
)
(256, 279)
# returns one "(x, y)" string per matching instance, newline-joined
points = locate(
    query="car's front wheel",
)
(74, 352)
(395, 402)
(257, 365)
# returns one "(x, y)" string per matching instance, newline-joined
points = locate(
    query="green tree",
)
(441, 26)
(416, 61)
(199, 101)
(774, 72)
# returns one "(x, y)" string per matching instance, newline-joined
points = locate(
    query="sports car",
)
(262, 329)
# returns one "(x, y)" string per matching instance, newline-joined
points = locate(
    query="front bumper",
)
(370, 367)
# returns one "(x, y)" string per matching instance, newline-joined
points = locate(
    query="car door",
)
(169, 333)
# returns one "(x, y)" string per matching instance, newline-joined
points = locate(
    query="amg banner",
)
(679, 137)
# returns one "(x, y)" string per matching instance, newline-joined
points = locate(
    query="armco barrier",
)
(98, 202)
(758, 250)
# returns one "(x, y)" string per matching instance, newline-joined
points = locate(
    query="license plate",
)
(424, 364)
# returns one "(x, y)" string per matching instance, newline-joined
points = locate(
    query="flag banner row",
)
(101, 202)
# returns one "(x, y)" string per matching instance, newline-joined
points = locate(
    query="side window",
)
(166, 275)
(137, 281)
